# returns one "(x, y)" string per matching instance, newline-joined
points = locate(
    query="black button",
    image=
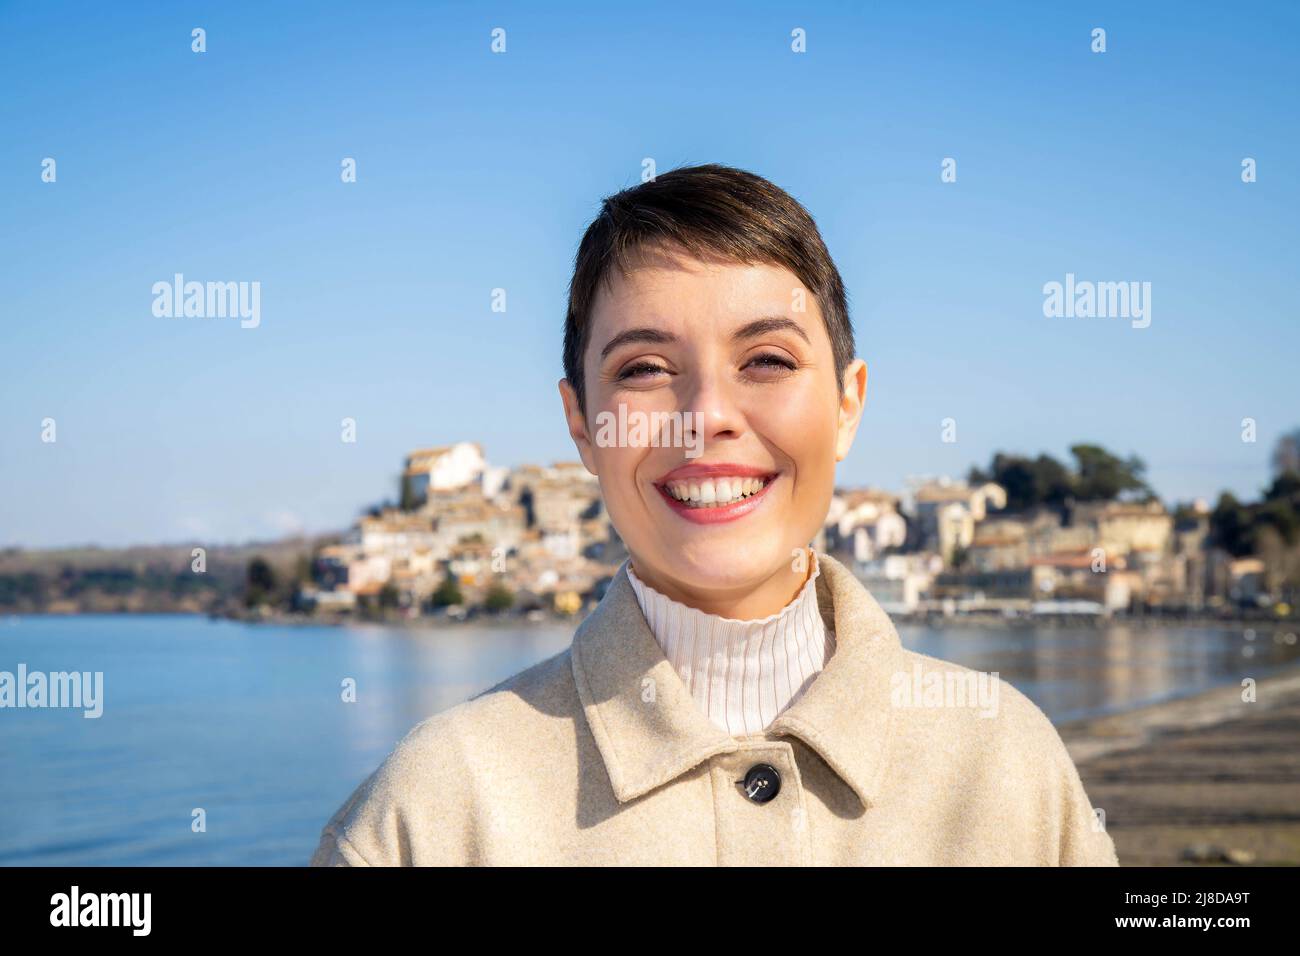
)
(762, 783)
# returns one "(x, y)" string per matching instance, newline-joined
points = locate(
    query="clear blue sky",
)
(478, 171)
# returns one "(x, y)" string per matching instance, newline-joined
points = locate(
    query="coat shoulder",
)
(976, 727)
(427, 783)
(969, 701)
(978, 713)
(506, 711)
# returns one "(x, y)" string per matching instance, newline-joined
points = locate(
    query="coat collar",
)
(649, 729)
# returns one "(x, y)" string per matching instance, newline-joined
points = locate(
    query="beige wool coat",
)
(600, 756)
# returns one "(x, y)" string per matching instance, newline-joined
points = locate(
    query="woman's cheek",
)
(619, 467)
(795, 420)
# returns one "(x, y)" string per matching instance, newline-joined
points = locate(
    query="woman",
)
(736, 698)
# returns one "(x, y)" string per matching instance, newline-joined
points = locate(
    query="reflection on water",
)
(1083, 671)
(248, 722)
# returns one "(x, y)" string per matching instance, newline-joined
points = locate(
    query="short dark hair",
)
(708, 210)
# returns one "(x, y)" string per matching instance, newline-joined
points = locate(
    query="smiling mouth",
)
(718, 491)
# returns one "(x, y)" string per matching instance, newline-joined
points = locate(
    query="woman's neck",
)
(748, 603)
(742, 673)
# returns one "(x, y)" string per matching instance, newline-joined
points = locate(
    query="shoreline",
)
(935, 622)
(1199, 780)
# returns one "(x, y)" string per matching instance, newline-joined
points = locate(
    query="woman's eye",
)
(773, 361)
(638, 369)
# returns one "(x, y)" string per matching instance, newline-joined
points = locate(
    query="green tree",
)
(448, 592)
(1286, 453)
(498, 598)
(1101, 476)
(409, 501)
(1285, 487)
(1239, 528)
(1230, 526)
(260, 582)
(1281, 516)
(1029, 482)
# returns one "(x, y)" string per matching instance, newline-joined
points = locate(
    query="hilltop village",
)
(467, 537)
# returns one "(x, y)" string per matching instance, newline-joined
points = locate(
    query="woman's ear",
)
(852, 400)
(577, 422)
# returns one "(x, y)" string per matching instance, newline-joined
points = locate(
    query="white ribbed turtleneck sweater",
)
(742, 673)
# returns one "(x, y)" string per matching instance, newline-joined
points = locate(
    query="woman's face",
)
(729, 368)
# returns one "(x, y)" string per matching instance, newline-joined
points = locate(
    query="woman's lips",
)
(712, 514)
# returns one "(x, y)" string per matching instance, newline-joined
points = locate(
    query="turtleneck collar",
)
(742, 673)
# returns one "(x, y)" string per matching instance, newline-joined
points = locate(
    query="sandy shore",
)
(1200, 780)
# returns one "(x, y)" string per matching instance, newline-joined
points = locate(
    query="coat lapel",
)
(649, 730)
(846, 713)
(646, 724)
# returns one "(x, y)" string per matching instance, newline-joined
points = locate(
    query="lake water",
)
(247, 721)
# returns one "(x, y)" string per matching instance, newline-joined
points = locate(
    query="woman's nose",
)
(713, 408)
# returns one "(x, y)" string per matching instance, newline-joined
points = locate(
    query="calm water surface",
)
(247, 721)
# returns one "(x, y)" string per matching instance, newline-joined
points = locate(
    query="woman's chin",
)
(724, 570)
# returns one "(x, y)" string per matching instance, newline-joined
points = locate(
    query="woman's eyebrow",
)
(772, 323)
(656, 336)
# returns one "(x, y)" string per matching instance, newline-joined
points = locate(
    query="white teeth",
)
(713, 492)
